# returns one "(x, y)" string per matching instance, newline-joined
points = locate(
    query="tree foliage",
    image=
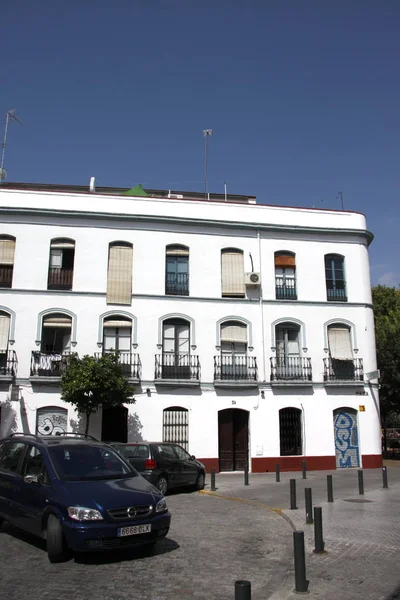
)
(387, 330)
(90, 382)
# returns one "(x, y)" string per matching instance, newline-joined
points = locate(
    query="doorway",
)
(346, 438)
(233, 435)
(114, 424)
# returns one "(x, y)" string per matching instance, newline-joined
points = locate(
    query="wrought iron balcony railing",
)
(8, 362)
(130, 362)
(177, 366)
(285, 289)
(343, 370)
(235, 368)
(177, 284)
(292, 368)
(337, 293)
(49, 364)
(6, 275)
(60, 279)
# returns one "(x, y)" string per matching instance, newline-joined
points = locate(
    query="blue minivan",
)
(78, 494)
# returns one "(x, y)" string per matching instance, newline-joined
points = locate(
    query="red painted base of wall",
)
(294, 463)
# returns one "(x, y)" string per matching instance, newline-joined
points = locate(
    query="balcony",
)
(8, 365)
(48, 366)
(60, 279)
(343, 372)
(6, 275)
(285, 289)
(130, 362)
(235, 371)
(293, 370)
(177, 284)
(171, 369)
(337, 293)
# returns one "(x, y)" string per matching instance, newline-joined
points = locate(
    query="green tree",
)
(387, 331)
(90, 382)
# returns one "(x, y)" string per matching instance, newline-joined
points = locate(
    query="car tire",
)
(200, 481)
(57, 550)
(162, 484)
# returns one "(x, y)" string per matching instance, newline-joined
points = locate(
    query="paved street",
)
(216, 539)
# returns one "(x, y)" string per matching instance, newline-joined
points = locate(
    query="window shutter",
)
(119, 280)
(118, 323)
(340, 343)
(232, 267)
(285, 260)
(62, 244)
(177, 251)
(234, 332)
(57, 321)
(7, 251)
(4, 330)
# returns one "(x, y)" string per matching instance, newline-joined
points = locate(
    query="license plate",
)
(134, 530)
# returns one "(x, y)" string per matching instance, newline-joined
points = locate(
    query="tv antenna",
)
(340, 195)
(207, 133)
(10, 116)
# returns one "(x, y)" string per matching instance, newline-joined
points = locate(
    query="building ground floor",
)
(225, 428)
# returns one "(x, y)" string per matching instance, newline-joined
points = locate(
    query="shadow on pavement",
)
(394, 595)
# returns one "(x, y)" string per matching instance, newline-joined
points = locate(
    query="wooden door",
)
(233, 439)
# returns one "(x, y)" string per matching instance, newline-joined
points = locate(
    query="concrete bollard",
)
(293, 504)
(329, 484)
(385, 477)
(361, 482)
(213, 488)
(304, 469)
(301, 583)
(242, 590)
(318, 533)
(246, 474)
(277, 473)
(309, 513)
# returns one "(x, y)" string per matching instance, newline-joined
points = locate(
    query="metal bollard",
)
(293, 494)
(318, 533)
(213, 488)
(246, 475)
(385, 477)
(242, 590)
(304, 469)
(277, 473)
(329, 483)
(301, 583)
(309, 513)
(361, 482)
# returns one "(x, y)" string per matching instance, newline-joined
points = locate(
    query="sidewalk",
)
(361, 533)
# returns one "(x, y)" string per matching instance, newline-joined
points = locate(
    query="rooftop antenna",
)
(10, 115)
(207, 133)
(340, 195)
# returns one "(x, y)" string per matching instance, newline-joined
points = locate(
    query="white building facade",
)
(247, 330)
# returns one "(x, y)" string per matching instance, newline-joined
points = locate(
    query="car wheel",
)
(162, 484)
(57, 550)
(200, 481)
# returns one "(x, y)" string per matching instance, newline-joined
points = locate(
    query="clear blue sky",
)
(303, 97)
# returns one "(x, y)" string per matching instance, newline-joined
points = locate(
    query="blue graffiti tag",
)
(346, 440)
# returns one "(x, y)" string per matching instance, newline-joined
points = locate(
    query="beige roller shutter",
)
(7, 251)
(232, 269)
(57, 321)
(233, 332)
(63, 244)
(119, 280)
(340, 343)
(4, 331)
(177, 251)
(117, 323)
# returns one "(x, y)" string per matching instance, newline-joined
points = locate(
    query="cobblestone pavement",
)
(212, 543)
(361, 533)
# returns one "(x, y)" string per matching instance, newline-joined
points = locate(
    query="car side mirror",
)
(31, 478)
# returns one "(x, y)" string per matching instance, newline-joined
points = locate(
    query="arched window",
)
(176, 426)
(175, 362)
(234, 364)
(119, 274)
(117, 337)
(341, 366)
(61, 264)
(232, 273)
(7, 252)
(55, 345)
(335, 278)
(290, 431)
(285, 275)
(177, 270)
(4, 338)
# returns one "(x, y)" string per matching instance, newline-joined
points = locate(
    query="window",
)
(7, 251)
(61, 264)
(285, 276)
(340, 352)
(334, 276)
(288, 361)
(233, 350)
(4, 334)
(117, 336)
(181, 453)
(290, 431)
(119, 276)
(177, 271)
(176, 426)
(34, 465)
(56, 333)
(176, 349)
(51, 420)
(11, 454)
(232, 273)
(166, 451)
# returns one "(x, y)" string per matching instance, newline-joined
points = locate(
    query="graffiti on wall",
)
(52, 421)
(346, 440)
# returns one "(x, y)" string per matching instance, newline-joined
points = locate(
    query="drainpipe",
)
(261, 309)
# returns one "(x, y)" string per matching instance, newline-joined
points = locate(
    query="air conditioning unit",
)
(252, 279)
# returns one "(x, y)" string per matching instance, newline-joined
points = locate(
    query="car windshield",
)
(83, 462)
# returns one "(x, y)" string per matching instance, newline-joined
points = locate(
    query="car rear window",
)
(137, 451)
(82, 462)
